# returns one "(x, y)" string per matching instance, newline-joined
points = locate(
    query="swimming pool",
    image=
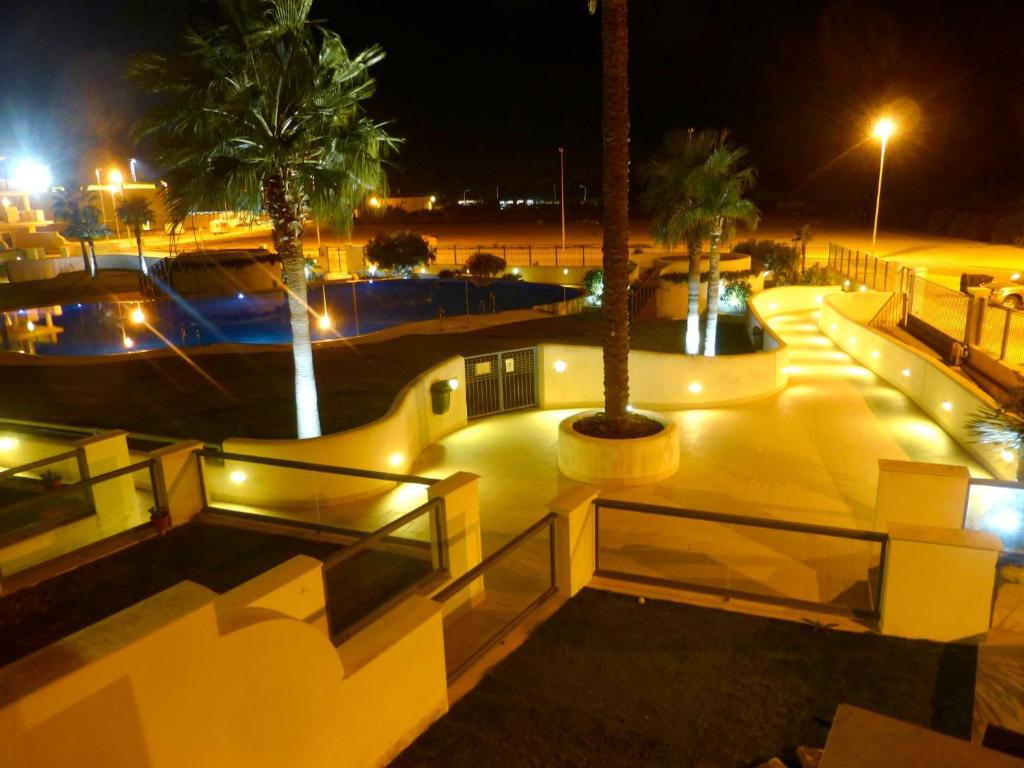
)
(106, 328)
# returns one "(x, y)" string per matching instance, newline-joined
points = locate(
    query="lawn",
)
(253, 393)
(609, 682)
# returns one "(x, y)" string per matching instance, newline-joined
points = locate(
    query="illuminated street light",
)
(884, 128)
(115, 180)
(32, 177)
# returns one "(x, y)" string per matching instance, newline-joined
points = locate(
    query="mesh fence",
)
(942, 308)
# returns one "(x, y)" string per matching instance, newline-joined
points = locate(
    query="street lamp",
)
(103, 206)
(884, 128)
(561, 164)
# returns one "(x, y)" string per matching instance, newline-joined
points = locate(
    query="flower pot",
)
(162, 523)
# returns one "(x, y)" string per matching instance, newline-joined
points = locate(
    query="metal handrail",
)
(39, 463)
(496, 557)
(464, 581)
(722, 517)
(716, 517)
(86, 482)
(348, 552)
(209, 453)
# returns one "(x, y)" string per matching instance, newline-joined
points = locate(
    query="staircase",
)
(642, 302)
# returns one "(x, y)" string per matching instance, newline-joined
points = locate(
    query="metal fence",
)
(501, 381)
(863, 268)
(813, 566)
(525, 255)
(941, 308)
(1001, 333)
(512, 586)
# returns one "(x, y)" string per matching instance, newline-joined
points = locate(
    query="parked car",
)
(1009, 293)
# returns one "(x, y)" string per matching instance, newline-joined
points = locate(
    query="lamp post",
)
(561, 164)
(884, 128)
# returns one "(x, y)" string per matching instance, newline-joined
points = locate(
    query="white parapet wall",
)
(389, 444)
(190, 678)
(947, 398)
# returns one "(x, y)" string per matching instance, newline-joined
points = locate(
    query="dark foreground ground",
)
(253, 393)
(216, 557)
(608, 682)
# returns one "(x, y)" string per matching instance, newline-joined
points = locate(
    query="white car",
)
(1009, 293)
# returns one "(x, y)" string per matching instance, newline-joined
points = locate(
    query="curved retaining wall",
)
(388, 444)
(947, 399)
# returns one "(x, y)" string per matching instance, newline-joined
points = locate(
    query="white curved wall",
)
(947, 399)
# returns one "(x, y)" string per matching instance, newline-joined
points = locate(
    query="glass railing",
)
(997, 506)
(832, 569)
(488, 601)
(44, 489)
(301, 492)
(102, 506)
(367, 577)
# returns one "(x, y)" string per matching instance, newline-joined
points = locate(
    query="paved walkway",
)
(808, 454)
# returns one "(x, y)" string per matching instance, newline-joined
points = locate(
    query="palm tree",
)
(265, 112)
(718, 190)
(803, 235)
(615, 218)
(136, 213)
(83, 223)
(667, 196)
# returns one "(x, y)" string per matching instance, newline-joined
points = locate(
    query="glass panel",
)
(776, 564)
(998, 509)
(365, 582)
(312, 496)
(482, 611)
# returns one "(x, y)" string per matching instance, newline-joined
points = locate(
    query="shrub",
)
(512, 277)
(736, 293)
(399, 253)
(448, 274)
(593, 284)
(821, 275)
(780, 258)
(484, 264)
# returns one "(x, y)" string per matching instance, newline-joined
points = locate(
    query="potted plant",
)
(160, 519)
(52, 480)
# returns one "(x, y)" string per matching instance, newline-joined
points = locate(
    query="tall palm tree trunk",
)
(712, 326)
(692, 345)
(93, 265)
(615, 186)
(142, 259)
(85, 257)
(287, 232)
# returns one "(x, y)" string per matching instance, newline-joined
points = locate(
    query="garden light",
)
(818, 299)
(874, 354)
(374, 202)
(515, 270)
(629, 409)
(906, 373)
(396, 459)
(1004, 455)
(694, 388)
(238, 477)
(947, 406)
(565, 271)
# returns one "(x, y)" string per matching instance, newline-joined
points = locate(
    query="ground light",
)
(694, 388)
(947, 406)
(395, 459)
(8, 443)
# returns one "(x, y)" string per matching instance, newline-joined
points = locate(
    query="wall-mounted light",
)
(560, 366)
(694, 388)
(238, 477)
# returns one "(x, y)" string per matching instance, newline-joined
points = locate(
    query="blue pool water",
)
(100, 328)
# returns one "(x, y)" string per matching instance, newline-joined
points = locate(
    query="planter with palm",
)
(1001, 426)
(84, 223)
(668, 198)
(136, 213)
(718, 190)
(266, 112)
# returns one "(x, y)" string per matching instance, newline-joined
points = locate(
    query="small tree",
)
(593, 284)
(399, 253)
(485, 264)
(136, 214)
(84, 223)
(803, 235)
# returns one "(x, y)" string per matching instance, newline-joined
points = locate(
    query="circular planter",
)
(601, 461)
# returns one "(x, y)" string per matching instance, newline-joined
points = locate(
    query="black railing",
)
(871, 537)
(479, 572)
(328, 469)
(364, 580)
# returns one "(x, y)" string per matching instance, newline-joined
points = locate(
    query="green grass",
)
(251, 394)
(609, 682)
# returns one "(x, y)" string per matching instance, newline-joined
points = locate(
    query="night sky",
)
(484, 92)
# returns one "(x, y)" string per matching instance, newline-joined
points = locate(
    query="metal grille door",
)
(502, 381)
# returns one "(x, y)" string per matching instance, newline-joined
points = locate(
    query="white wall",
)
(389, 444)
(948, 400)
